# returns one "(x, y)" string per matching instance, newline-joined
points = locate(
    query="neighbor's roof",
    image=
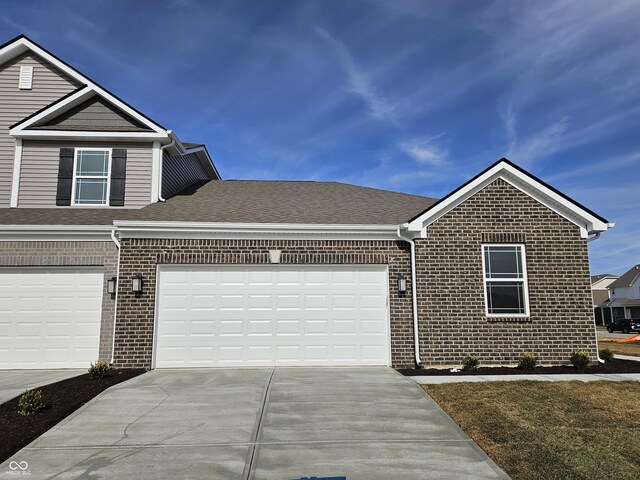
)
(627, 278)
(597, 278)
(248, 201)
(625, 302)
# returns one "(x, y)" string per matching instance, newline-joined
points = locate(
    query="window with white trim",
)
(505, 280)
(91, 172)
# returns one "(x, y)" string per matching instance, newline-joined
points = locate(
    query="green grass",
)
(631, 348)
(550, 430)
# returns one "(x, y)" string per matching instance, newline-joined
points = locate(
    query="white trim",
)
(23, 43)
(536, 190)
(75, 134)
(524, 280)
(89, 177)
(155, 172)
(150, 229)
(15, 182)
(53, 233)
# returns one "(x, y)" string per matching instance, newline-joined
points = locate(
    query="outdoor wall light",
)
(111, 285)
(136, 285)
(402, 283)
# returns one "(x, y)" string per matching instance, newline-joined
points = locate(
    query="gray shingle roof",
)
(626, 278)
(249, 201)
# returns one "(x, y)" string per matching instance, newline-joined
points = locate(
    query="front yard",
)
(550, 430)
(631, 348)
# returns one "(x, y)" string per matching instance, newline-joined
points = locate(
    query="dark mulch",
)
(61, 399)
(613, 366)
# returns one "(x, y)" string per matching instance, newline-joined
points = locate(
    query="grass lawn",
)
(550, 430)
(631, 348)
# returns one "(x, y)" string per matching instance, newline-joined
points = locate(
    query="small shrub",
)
(470, 363)
(100, 369)
(606, 354)
(528, 361)
(580, 359)
(30, 402)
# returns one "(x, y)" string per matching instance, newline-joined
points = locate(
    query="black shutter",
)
(65, 177)
(118, 173)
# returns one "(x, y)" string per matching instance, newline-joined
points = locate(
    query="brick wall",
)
(135, 316)
(40, 254)
(451, 289)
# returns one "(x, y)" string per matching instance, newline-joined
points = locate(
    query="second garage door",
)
(284, 315)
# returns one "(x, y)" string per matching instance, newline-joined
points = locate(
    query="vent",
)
(26, 77)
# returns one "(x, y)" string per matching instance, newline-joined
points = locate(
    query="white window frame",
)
(524, 280)
(74, 182)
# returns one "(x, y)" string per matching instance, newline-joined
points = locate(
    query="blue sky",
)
(403, 95)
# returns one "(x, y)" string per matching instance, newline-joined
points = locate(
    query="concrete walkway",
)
(261, 424)
(16, 382)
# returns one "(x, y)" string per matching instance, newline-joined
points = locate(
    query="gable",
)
(95, 114)
(588, 221)
(46, 77)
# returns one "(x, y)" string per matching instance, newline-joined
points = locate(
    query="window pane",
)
(91, 191)
(505, 297)
(503, 262)
(92, 163)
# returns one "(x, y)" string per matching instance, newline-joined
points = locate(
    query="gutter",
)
(162, 149)
(115, 299)
(414, 293)
(595, 330)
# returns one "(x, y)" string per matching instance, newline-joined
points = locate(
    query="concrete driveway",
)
(15, 382)
(284, 423)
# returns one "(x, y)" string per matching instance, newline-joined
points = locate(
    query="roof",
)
(627, 278)
(597, 278)
(588, 221)
(625, 302)
(247, 201)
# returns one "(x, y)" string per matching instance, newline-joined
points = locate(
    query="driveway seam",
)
(251, 454)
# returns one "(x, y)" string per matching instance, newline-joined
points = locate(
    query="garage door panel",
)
(271, 315)
(53, 316)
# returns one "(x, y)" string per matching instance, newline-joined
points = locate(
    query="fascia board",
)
(205, 159)
(25, 42)
(85, 134)
(142, 229)
(525, 184)
(89, 233)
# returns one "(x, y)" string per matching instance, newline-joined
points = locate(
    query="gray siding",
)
(49, 84)
(96, 114)
(181, 171)
(39, 172)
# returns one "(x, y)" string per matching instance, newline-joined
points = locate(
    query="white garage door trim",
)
(384, 358)
(50, 317)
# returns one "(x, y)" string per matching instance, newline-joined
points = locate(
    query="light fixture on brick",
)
(136, 285)
(402, 283)
(111, 285)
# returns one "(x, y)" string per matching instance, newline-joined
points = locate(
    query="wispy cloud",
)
(360, 83)
(536, 146)
(425, 151)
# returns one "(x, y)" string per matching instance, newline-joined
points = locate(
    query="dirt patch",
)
(61, 400)
(614, 366)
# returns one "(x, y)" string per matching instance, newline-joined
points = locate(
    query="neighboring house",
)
(258, 273)
(624, 294)
(600, 292)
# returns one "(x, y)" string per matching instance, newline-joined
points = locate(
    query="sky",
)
(403, 95)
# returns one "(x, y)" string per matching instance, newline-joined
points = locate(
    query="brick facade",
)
(451, 289)
(65, 254)
(135, 316)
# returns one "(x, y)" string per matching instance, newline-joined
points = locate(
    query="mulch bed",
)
(613, 366)
(61, 399)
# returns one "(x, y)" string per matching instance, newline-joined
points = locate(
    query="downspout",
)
(414, 296)
(173, 142)
(595, 330)
(115, 306)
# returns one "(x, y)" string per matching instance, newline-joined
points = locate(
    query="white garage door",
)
(49, 318)
(273, 315)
